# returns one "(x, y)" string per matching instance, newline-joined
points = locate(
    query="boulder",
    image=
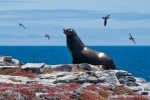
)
(34, 67)
(63, 67)
(5, 67)
(8, 61)
(85, 66)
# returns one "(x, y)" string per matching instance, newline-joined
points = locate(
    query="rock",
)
(52, 98)
(145, 93)
(145, 86)
(34, 67)
(130, 78)
(131, 84)
(97, 67)
(66, 68)
(46, 67)
(148, 96)
(47, 76)
(92, 79)
(85, 66)
(126, 78)
(63, 74)
(90, 73)
(44, 90)
(101, 80)
(136, 89)
(140, 80)
(81, 81)
(84, 76)
(19, 97)
(15, 62)
(122, 73)
(8, 61)
(60, 74)
(75, 94)
(40, 99)
(5, 67)
(7, 93)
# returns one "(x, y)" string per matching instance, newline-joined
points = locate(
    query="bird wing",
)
(105, 22)
(23, 27)
(133, 40)
(19, 22)
(130, 35)
(108, 16)
(48, 37)
(103, 17)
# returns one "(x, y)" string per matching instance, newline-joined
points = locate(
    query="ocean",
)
(134, 59)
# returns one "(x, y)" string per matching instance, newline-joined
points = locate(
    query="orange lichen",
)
(123, 90)
(62, 91)
(134, 97)
(75, 69)
(14, 80)
(89, 95)
(48, 71)
(18, 72)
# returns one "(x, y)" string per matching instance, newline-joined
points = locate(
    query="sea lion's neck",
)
(74, 42)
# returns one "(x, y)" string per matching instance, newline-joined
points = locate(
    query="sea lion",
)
(81, 54)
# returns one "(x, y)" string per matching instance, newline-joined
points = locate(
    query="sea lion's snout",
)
(67, 31)
(64, 29)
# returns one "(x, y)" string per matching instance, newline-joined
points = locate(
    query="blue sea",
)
(134, 59)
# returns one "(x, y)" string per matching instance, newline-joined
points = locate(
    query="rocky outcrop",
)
(34, 67)
(40, 67)
(84, 74)
(109, 78)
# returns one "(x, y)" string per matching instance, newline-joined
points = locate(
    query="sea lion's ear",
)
(69, 29)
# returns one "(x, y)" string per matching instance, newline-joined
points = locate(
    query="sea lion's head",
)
(68, 31)
(72, 39)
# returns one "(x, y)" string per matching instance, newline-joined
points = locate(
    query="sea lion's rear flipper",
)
(111, 65)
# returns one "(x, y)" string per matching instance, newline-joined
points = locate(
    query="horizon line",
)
(66, 45)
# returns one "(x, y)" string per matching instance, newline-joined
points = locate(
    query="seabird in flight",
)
(131, 38)
(105, 19)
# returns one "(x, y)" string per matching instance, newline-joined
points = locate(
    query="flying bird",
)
(46, 35)
(131, 38)
(105, 19)
(21, 25)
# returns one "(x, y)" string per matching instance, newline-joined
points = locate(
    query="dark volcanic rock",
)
(85, 66)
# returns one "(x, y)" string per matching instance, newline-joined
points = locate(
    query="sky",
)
(42, 17)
